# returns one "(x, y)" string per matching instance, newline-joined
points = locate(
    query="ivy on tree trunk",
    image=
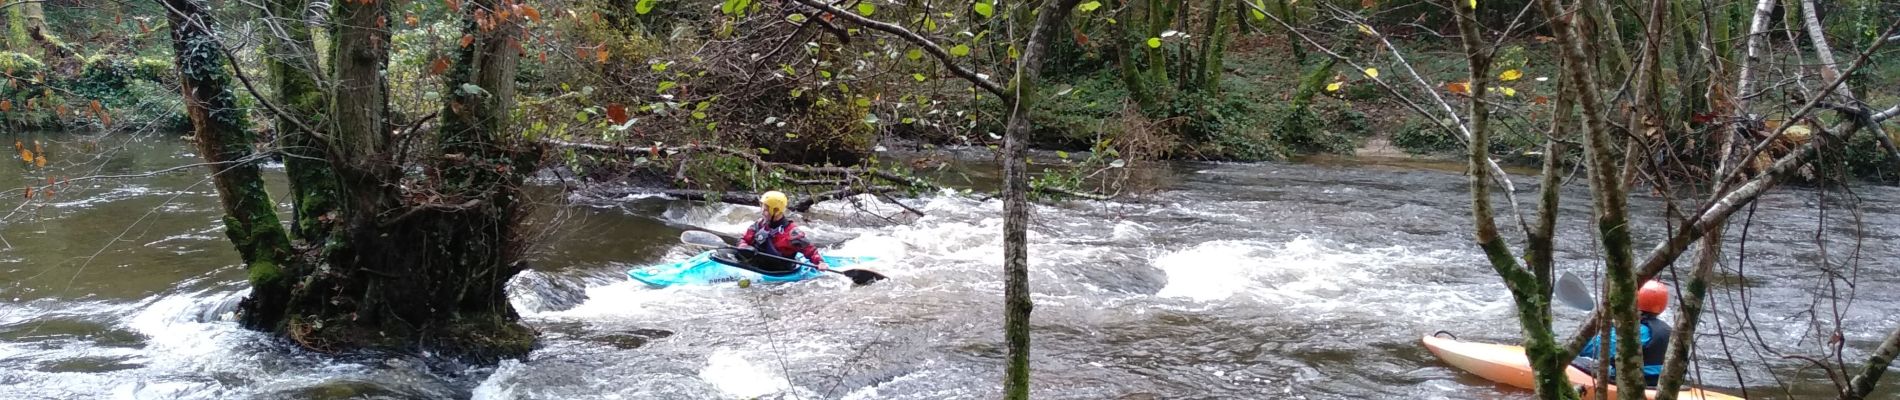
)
(250, 219)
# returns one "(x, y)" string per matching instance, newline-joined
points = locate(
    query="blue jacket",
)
(1654, 335)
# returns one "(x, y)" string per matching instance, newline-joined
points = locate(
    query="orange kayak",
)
(1507, 364)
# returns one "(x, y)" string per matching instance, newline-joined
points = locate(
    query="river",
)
(1309, 280)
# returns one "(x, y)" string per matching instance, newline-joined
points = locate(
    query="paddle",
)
(1572, 292)
(708, 239)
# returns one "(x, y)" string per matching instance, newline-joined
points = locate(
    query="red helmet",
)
(1653, 297)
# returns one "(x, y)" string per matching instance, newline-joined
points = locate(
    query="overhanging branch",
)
(928, 46)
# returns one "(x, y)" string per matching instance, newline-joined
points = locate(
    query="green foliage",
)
(1074, 172)
(1863, 157)
(1302, 129)
(1419, 137)
(1073, 116)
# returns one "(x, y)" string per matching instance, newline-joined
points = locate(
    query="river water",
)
(1300, 281)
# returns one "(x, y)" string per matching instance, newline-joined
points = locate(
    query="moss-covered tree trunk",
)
(388, 270)
(1016, 302)
(250, 219)
(1214, 47)
(1530, 288)
(293, 72)
(17, 40)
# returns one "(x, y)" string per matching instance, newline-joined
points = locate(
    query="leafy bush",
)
(1418, 137)
(1863, 157)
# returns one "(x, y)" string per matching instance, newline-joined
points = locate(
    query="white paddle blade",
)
(1572, 292)
(702, 238)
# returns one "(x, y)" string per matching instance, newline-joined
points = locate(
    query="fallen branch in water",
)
(752, 199)
(850, 173)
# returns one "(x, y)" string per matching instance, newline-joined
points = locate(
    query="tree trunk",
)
(1602, 29)
(1607, 189)
(402, 271)
(58, 55)
(1214, 46)
(217, 122)
(17, 39)
(1017, 305)
(1288, 13)
(293, 72)
(1688, 315)
(1530, 289)
(1645, 117)
(1877, 363)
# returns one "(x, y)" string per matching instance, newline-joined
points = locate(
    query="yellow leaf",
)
(1334, 87)
(1367, 30)
(1473, 3)
(1509, 92)
(1510, 75)
(1372, 72)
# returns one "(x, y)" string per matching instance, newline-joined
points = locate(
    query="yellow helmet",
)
(774, 203)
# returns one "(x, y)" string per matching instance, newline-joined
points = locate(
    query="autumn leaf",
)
(105, 119)
(1458, 87)
(467, 40)
(1372, 72)
(26, 155)
(617, 113)
(602, 54)
(1510, 75)
(1508, 92)
(1081, 38)
(1366, 29)
(533, 14)
(39, 160)
(1334, 87)
(97, 109)
(411, 20)
(6, 105)
(440, 65)
(1540, 100)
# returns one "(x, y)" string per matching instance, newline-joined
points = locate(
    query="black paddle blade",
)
(862, 276)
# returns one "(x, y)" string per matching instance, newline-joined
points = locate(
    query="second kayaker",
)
(1653, 333)
(775, 234)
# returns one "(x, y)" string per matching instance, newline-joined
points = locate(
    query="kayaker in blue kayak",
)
(777, 235)
(1651, 300)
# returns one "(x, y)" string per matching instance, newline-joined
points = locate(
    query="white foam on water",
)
(631, 300)
(499, 384)
(733, 374)
(1209, 271)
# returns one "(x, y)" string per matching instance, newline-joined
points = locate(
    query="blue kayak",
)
(705, 269)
